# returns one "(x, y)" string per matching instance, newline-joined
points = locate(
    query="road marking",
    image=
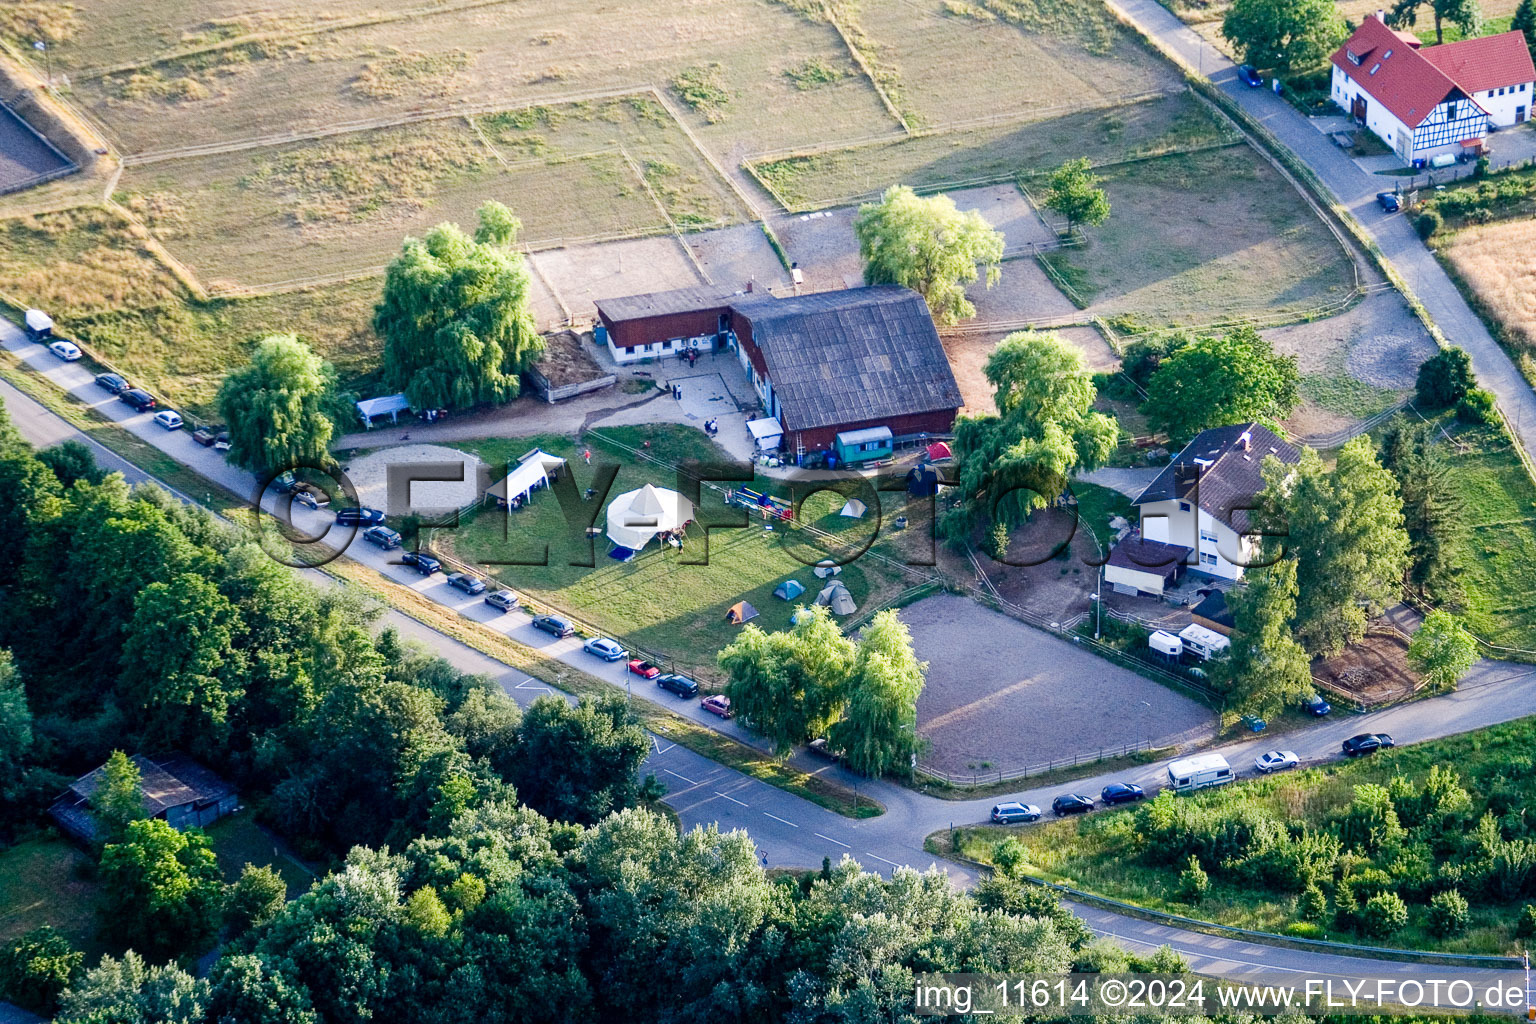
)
(775, 817)
(829, 839)
(685, 778)
(536, 686)
(731, 799)
(659, 748)
(882, 860)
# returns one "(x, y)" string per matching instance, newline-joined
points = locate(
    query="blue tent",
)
(789, 590)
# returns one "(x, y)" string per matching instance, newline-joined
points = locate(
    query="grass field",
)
(619, 167)
(999, 152)
(657, 602)
(1100, 853)
(89, 269)
(1243, 243)
(47, 881)
(1497, 263)
(1498, 558)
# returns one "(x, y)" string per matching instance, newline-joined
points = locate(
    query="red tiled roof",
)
(1403, 81)
(1489, 62)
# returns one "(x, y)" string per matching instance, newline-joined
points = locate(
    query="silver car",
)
(1014, 812)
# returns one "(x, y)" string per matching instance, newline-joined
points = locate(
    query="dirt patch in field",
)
(566, 359)
(968, 359)
(1006, 695)
(1374, 668)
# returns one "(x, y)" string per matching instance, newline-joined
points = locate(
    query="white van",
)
(1199, 772)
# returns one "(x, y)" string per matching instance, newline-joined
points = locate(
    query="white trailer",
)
(1166, 644)
(1199, 772)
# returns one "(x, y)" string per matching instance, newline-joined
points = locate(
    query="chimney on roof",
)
(1381, 16)
(751, 285)
(1245, 442)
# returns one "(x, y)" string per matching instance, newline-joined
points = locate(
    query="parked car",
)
(1316, 706)
(1071, 803)
(221, 443)
(421, 562)
(719, 704)
(643, 668)
(608, 650)
(141, 400)
(65, 350)
(169, 419)
(1250, 76)
(1253, 723)
(206, 435)
(680, 685)
(114, 383)
(358, 517)
(382, 537)
(822, 749)
(471, 585)
(1013, 811)
(1276, 761)
(307, 494)
(554, 626)
(1121, 793)
(505, 600)
(1367, 743)
(1389, 201)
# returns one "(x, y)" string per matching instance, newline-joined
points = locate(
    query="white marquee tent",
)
(636, 517)
(533, 472)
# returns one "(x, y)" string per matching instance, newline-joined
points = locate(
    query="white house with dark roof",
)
(1425, 101)
(1200, 499)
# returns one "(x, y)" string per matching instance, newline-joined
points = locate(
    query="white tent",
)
(766, 432)
(835, 596)
(826, 567)
(533, 472)
(636, 517)
(389, 405)
(854, 509)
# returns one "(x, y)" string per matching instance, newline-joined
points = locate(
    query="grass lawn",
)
(47, 881)
(617, 168)
(1244, 243)
(1100, 853)
(103, 286)
(239, 841)
(1498, 557)
(1096, 506)
(657, 602)
(940, 159)
(1337, 391)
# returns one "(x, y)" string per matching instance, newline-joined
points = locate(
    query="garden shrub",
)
(1477, 408)
(1449, 914)
(1383, 914)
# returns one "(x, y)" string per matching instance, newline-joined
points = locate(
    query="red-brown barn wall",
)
(939, 421)
(662, 327)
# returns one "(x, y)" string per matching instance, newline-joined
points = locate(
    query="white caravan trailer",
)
(1199, 772)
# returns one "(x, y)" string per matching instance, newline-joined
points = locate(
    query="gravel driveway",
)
(1011, 696)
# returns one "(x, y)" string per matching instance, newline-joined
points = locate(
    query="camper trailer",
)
(1203, 643)
(1166, 644)
(1199, 772)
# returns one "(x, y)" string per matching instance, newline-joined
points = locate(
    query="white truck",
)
(1199, 772)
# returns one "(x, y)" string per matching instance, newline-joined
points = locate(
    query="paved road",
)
(1355, 191)
(791, 831)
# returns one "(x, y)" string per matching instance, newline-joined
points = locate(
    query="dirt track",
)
(1005, 694)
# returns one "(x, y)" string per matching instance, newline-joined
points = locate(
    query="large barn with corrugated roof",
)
(824, 364)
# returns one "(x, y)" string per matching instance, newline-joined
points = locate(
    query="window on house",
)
(1207, 537)
(1206, 558)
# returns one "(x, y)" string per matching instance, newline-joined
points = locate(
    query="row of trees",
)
(457, 329)
(1340, 553)
(810, 681)
(1296, 36)
(135, 621)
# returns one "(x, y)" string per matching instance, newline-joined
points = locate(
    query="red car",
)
(719, 704)
(644, 669)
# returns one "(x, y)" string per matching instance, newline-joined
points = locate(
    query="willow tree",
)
(928, 245)
(276, 407)
(455, 318)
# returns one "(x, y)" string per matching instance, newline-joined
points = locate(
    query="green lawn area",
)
(657, 602)
(239, 841)
(1335, 390)
(1097, 505)
(1244, 243)
(1498, 557)
(47, 881)
(1101, 853)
